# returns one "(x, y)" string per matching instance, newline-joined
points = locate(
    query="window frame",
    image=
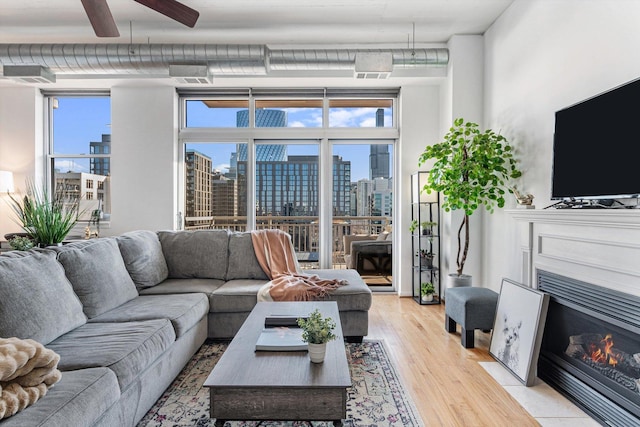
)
(325, 136)
(50, 104)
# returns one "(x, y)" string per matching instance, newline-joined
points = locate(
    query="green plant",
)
(20, 243)
(424, 253)
(47, 219)
(427, 288)
(316, 329)
(471, 168)
(413, 226)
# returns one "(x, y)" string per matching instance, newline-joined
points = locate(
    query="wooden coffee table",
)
(280, 386)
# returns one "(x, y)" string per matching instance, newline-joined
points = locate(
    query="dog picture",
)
(509, 343)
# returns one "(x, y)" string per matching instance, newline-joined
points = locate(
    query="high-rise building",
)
(264, 118)
(379, 161)
(290, 188)
(92, 190)
(197, 185)
(224, 200)
(379, 153)
(100, 165)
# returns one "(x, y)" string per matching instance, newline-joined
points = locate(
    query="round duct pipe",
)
(154, 59)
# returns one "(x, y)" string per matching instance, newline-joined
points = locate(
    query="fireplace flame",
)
(603, 353)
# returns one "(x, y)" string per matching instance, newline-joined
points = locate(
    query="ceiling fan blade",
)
(174, 10)
(101, 18)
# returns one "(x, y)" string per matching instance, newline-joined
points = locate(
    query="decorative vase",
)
(317, 352)
(426, 262)
(455, 281)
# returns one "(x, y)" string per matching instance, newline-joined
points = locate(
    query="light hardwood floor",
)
(444, 379)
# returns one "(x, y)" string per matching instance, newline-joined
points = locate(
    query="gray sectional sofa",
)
(127, 313)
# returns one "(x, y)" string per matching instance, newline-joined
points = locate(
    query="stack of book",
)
(281, 333)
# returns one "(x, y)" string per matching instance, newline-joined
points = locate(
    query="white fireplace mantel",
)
(598, 246)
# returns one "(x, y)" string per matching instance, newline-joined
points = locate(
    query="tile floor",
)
(544, 403)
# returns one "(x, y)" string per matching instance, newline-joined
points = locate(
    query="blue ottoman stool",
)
(472, 308)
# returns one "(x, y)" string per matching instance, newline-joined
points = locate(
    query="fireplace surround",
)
(590, 348)
(588, 261)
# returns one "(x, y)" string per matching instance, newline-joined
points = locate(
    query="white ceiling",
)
(374, 23)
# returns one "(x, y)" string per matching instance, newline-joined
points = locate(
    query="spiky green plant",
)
(46, 218)
(316, 329)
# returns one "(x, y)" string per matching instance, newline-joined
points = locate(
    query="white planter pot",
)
(455, 281)
(317, 352)
(427, 298)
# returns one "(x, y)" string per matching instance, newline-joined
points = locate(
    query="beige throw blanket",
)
(277, 258)
(27, 370)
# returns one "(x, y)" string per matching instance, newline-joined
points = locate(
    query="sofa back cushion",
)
(143, 258)
(36, 299)
(198, 254)
(97, 272)
(243, 263)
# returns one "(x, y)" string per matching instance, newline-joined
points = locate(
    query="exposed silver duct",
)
(344, 59)
(154, 59)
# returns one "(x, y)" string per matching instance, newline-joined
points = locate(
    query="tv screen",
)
(596, 148)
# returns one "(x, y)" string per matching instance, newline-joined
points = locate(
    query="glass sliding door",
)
(287, 194)
(362, 225)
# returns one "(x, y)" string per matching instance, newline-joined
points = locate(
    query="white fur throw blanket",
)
(27, 370)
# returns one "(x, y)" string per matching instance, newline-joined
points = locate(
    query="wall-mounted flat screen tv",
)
(596, 148)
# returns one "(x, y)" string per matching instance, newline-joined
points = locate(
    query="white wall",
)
(21, 144)
(541, 56)
(462, 95)
(144, 160)
(420, 126)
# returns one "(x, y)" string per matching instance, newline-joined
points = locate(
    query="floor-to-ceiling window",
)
(291, 160)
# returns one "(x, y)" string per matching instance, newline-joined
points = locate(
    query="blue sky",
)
(78, 121)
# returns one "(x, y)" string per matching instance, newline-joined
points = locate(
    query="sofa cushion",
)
(78, 399)
(195, 254)
(126, 348)
(184, 286)
(97, 272)
(236, 296)
(184, 310)
(36, 298)
(243, 263)
(354, 296)
(142, 254)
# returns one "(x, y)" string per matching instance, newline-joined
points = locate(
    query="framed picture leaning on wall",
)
(517, 329)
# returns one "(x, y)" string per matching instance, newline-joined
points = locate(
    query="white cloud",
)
(223, 167)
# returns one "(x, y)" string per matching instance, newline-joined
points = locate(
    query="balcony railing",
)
(302, 229)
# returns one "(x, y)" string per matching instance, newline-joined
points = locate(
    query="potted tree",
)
(46, 219)
(317, 332)
(471, 168)
(426, 291)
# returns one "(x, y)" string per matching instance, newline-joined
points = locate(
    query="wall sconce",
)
(6, 182)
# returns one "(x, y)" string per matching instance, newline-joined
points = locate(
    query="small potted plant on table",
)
(317, 332)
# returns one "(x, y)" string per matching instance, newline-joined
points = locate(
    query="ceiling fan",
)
(104, 25)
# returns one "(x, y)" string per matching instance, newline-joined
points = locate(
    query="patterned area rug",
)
(376, 397)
